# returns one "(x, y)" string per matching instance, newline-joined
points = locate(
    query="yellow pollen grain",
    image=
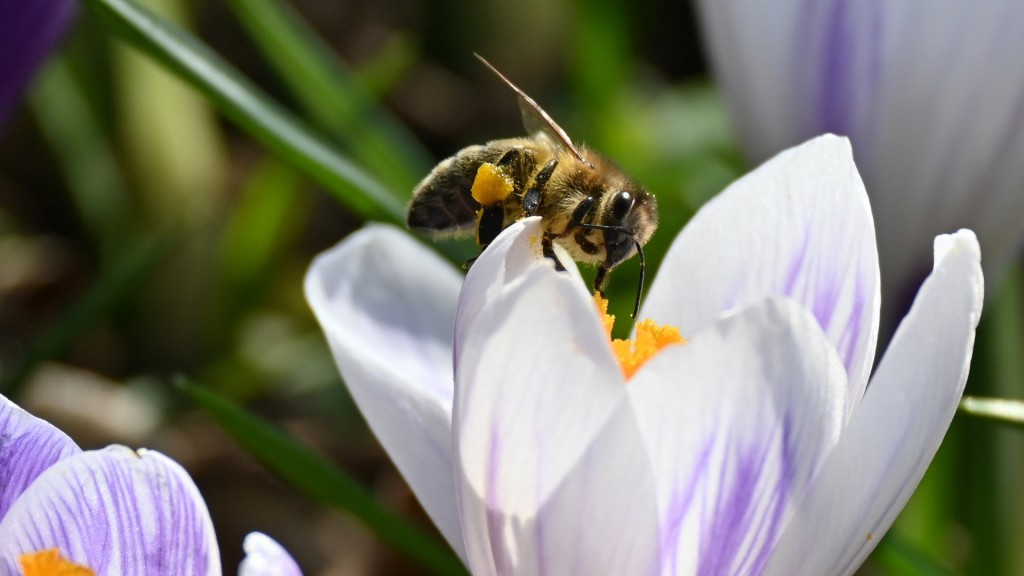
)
(50, 563)
(491, 185)
(651, 338)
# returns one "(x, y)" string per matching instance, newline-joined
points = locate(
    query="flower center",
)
(651, 338)
(50, 563)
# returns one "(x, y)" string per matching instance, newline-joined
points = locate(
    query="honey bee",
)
(586, 203)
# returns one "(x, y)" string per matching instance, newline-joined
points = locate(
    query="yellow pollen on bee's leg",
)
(491, 185)
(651, 338)
(50, 563)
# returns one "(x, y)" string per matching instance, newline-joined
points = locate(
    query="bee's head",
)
(630, 219)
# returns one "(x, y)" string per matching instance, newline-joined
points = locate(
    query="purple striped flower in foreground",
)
(755, 448)
(28, 30)
(931, 94)
(114, 511)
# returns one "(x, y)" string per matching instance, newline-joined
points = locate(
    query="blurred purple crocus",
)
(931, 94)
(109, 511)
(758, 447)
(28, 31)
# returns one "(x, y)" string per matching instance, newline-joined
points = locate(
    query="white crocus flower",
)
(756, 447)
(930, 93)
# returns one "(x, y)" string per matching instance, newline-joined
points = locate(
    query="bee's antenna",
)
(640, 285)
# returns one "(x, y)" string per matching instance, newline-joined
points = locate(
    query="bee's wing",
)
(535, 119)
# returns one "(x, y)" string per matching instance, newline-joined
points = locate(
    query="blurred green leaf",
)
(112, 287)
(997, 410)
(990, 491)
(268, 214)
(388, 67)
(74, 131)
(602, 64)
(899, 556)
(333, 96)
(243, 102)
(322, 481)
(171, 140)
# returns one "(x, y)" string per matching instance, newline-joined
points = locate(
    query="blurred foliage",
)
(180, 163)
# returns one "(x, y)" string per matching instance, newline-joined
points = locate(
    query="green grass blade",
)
(322, 481)
(998, 410)
(332, 95)
(244, 103)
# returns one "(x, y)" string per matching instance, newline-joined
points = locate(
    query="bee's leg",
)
(517, 162)
(600, 280)
(531, 199)
(490, 224)
(548, 249)
(509, 158)
(580, 212)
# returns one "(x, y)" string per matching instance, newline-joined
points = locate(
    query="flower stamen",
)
(651, 338)
(50, 562)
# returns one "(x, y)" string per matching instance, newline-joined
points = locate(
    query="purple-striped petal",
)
(117, 512)
(891, 439)
(553, 475)
(387, 306)
(737, 422)
(931, 95)
(798, 226)
(265, 557)
(28, 446)
(28, 30)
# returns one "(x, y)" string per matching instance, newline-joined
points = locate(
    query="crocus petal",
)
(265, 557)
(554, 478)
(507, 259)
(387, 306)
(116, 511)
(798, 226)
(28, 30)
(28, 446)
(932, 96)
(737, 422)
(884, 451)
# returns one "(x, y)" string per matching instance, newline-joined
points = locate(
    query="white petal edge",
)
(515, 252)
(553, 476)
(892, 437)
(28, 446)
(387, 306)
(117, 511)
(798, 226)
(265, 557)
(737, 421)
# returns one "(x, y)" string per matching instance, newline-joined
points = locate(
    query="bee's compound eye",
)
(621, 204)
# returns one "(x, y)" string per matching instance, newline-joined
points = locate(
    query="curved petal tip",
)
(265, 557)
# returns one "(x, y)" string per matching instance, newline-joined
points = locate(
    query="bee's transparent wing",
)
(535, 119)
